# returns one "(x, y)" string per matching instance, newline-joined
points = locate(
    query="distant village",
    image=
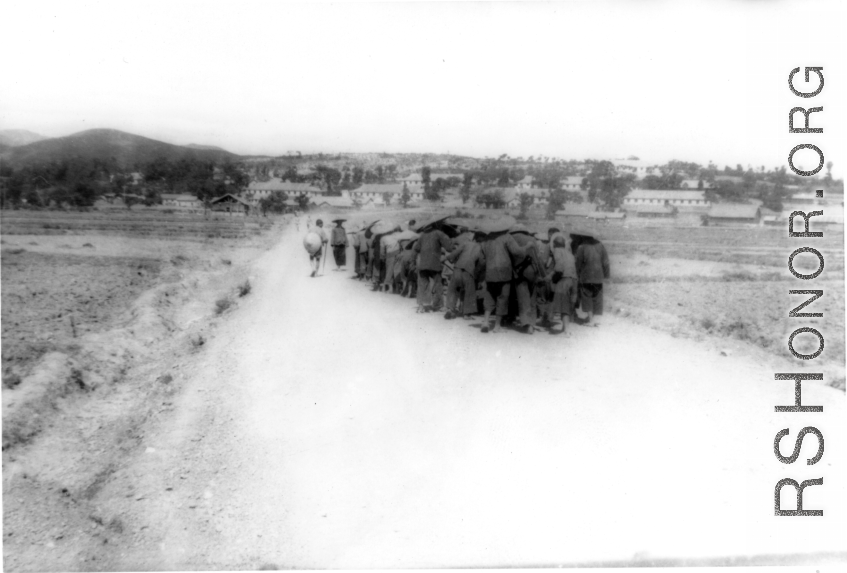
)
(620, 191)
(714, 199)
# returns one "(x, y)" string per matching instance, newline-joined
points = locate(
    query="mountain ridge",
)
(109, 145)
(18, 137)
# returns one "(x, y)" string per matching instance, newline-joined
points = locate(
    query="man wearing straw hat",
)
(369, 244)
(407, 263)
(429, 247)
(592, 266)
(527, 271)
(544, 288)
(338, 242)
(400, 267)
(390, 247)
(354, 244)
(563, 278)
(362, 253)
(466, 259)
(380, 231)
(499, 251)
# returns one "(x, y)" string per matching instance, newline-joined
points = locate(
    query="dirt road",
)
(325, 425)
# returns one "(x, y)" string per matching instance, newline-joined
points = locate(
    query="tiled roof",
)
(734, 211)
(335, 201)
(230, 196)
(665, 195)
(577, 209)
(655, 208)
(572, 180)
(607, 215)
(178, 197)
(285, 186)
(380, 188)
(693, 184)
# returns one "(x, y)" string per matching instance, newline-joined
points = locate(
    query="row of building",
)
(647, 201)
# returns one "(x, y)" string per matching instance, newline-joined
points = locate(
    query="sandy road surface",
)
(329, 426)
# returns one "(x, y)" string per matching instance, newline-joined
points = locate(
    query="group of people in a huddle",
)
(494, 267)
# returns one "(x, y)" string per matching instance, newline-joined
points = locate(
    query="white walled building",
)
(682, 200)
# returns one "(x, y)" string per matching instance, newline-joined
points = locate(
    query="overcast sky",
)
(660, 80)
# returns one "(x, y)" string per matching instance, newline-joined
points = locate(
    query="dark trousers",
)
(525, 291)
(363, 263)
(591, 297)
(340, 254)
(462, 285)
(410, 284)
(430, 289)
(369, 269)
(543, 295)
(497, 297)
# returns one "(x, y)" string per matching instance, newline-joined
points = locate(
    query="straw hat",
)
(492, 226)
(421, 227)
(407, 235)
(383, 227)
(519, 228)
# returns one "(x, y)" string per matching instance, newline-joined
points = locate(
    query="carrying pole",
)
(326, 254)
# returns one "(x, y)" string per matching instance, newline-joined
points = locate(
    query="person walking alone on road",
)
(339, 244)
(316, 239)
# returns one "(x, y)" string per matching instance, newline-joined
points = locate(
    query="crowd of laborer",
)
(497, 267)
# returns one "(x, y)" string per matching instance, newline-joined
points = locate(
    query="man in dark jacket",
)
(429, 247)
(369, 246)
(499, 251)
(527, 272)
(592, 266)
(354, 244)
(362, 252)
(339, 244)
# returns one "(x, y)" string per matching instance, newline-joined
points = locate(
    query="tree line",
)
(79, 182)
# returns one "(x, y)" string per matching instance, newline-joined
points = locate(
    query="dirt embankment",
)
(91, 362)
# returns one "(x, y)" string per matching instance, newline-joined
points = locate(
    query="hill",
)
(109, 145)
(16, 137)
(207, 147)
